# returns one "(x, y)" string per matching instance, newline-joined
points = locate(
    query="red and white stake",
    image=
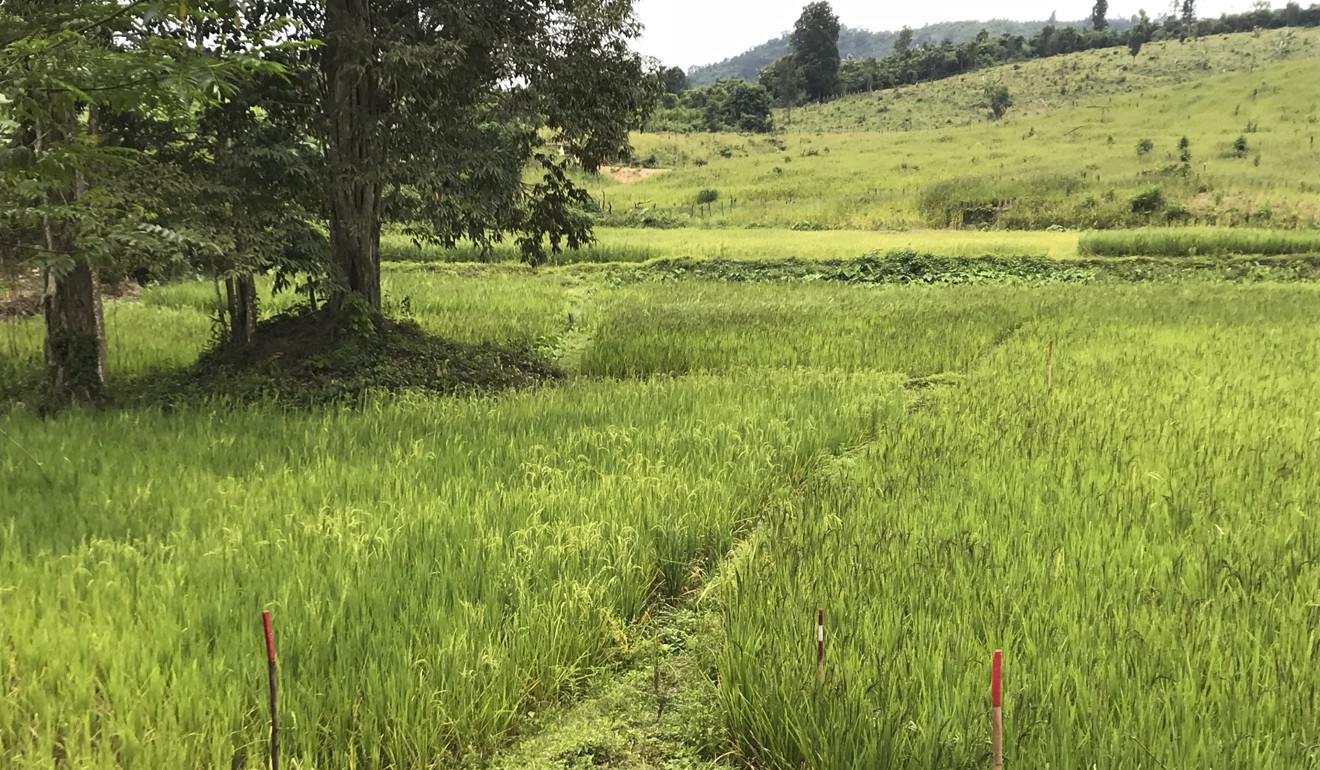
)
(274, 714)
(997, 709)
(820, 646)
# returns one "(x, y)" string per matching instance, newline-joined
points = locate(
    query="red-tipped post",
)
(820, 646)
(274, 712)
(997, 709)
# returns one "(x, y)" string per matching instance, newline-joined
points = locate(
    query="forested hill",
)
(861, 43)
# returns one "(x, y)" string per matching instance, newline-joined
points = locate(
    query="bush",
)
(707, 196)
(998, 99)
(1148, 202)
(1240, 147)
(1145, 146)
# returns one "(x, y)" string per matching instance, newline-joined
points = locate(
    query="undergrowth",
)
(303, 358)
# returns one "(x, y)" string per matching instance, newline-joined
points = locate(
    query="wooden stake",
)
(997, 710)
(1049, 369)
(820, 646)
(274, 713)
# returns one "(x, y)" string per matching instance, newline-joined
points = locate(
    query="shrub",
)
(1240, 146)
(1148, 201)
(707, 196)
(998, 99)
(1145, 146)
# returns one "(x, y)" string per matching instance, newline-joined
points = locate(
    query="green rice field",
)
(1132, 519)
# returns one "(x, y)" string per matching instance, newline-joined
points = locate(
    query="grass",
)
(1178, 242)
(1041, 86)
(1074, 166)
(445, 573)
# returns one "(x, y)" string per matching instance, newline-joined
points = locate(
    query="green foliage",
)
(707, 196)
(1144, 146)
(1099, 22)
(903, 43)
(676, 81)
(785, 82)
(998, 99)
(815, 47)
(865, 44)
(1148, 201)
(1139, 35)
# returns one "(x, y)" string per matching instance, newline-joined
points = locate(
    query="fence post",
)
(997, 710)
(274, 713)
(820, 646)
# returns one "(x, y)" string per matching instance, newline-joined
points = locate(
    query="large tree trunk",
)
(71, 304)
(241, 296)
(353, 146)
(75, 335)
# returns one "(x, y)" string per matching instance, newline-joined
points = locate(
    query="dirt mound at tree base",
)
(313, 358)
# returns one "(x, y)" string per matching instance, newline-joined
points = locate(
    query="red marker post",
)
(997, 709)
(274, 713)
(820, 646)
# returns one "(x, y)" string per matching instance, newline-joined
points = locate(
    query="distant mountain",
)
(861, 43)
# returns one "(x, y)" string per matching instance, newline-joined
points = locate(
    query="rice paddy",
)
(1135, 525)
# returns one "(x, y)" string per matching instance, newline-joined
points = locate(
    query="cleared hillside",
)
(1076, 166)
(1042, 85)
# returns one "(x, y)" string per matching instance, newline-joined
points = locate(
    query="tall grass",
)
(1192, 242)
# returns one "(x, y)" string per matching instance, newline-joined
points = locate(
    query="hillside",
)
(861, 43)
(1075, 166)
(1042, 85)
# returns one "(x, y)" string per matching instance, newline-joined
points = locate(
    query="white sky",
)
(683, 33)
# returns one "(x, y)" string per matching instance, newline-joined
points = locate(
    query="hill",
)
(861, 43)
(1068, 160)
(1043, 85)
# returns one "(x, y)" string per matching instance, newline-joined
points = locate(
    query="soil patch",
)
(628, 174)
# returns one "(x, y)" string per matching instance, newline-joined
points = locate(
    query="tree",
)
(815, 46)
(734, 104)
(998, 99)
(1098, 21)
(903, 43)
(1139, 35)
(65, 65)
(676, 80)
(783, 80)
(1187, 15)
(447, 103)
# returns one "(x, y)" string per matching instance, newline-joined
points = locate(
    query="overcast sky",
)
(683, 33)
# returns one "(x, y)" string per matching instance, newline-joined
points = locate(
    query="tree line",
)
(236, 138)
